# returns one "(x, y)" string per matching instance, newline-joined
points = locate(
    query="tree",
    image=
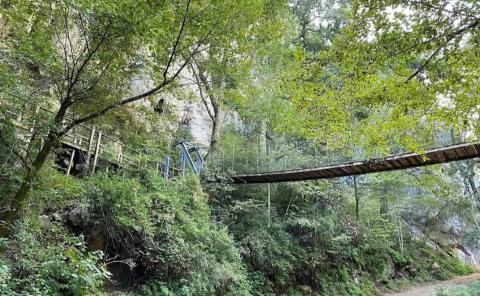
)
(210, 98)
(408, 66)
(319, 21)
(88, 52)
(434, 43)
(221, 72)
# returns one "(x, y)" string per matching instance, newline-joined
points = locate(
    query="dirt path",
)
(430, 289)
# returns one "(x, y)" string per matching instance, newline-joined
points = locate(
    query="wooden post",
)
(89, 149)
(72, 156)
(120, 156)
(97, 151)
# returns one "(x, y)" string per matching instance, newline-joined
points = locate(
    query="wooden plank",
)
(459, 152)
(477, 148)
(413, 161)
(396, 164)
(404, 162)
(97, 151)
(450, 154)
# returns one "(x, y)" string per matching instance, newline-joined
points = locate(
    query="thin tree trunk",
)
(216, 130)
(400, 235)
(216, 113)
(22, 193)
(13, 213)
(357, 201)
(384, 203)
(268, 205)
(288, 208)
(469, 175)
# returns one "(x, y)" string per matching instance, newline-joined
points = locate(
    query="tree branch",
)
(65, 54)
(450, 37)
(425, 63)
(95, 81)
(208, 88)
(177, 41)
(202, 96)
(88, 58)
(166, 81)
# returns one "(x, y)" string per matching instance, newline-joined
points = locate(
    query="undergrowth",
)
(145, 237)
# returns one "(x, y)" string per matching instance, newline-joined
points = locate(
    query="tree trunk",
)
(22, 193)
(384, 202)
(216, 129)
(263, 138)
(357, 201)
(216, 113)
(269, 207)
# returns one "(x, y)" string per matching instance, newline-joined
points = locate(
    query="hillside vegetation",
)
(259, 85)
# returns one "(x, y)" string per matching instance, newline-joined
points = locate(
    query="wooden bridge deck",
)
(391, 163)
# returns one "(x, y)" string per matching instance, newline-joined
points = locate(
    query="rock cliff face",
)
(449, 237)
(186, 107)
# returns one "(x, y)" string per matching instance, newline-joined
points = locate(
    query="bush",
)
(198, 256)
(47, 261)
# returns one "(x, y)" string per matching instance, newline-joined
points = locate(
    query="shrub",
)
(198, 256)
(48, 261)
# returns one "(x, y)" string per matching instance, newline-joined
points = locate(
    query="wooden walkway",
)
(84, 148)
(391, 163)
(84, 139)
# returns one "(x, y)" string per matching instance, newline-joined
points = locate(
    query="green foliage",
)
(334, 72)
(117, 202)
(314, 242)
(10, 168)
(473, 289)
(45, 260)
(165, 229)
(198, 255)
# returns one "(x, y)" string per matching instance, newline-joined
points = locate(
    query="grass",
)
(473, 289)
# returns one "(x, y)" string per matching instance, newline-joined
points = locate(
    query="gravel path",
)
(430, 289)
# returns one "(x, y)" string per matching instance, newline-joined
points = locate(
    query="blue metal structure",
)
(189, 155)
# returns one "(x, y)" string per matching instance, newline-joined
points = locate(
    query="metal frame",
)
(189, 154)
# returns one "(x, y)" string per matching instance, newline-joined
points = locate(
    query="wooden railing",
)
(95, 144)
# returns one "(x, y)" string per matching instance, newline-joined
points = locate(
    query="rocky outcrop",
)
(448, 237)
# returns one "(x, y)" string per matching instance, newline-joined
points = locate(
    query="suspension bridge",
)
(391, 163)
(87, 148)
